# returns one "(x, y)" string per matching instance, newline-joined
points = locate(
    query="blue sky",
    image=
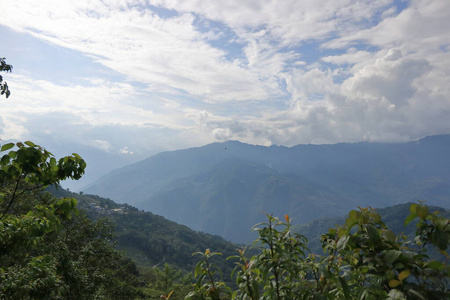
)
(118, 81)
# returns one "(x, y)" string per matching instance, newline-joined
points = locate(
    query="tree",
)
(29, 169)
(3, 85)
(48, 250)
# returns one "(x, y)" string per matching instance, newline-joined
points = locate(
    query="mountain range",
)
(225, 188)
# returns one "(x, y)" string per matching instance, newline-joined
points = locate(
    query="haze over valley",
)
(225, 188)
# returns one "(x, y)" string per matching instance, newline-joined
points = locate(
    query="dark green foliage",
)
(167, 283)
(89, 264)
(47, 249)
(393, 217)
(160, 240)
(363, 259)
(4, 90)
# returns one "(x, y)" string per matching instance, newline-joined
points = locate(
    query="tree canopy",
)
(48, 249)
(4, 90)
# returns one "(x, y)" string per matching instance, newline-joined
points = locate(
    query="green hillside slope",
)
(151, 240)
(224, 188)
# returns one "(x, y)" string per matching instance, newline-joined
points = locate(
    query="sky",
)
(120, 80)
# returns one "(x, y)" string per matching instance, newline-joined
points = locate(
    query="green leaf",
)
(391, 255)
(409, 219)
(422, 211)
(30, 144)
(389, 235)
(393, 283)
(198, 268)
(345, 288)
(442, 223)
(353, 217)
(342, 232)
(12, 154)
(412, 208)
(7, 146)
(373, 233)
(440, 239)
(403, 275)
(435, 265)
(5, 160)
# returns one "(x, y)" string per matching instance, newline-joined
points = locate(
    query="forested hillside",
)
(225, 188)
(149, 239)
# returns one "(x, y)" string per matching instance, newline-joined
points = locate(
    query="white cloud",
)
(185, 73)
(125, 150)
(100, 144)
(142, 45)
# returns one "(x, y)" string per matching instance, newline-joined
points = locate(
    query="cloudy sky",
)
(119, 80)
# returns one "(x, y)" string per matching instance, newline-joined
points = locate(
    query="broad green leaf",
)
(198, 268)
(422, 211)
(373, 233)
(5, 160)
(403, 274)
(30, 144)
(342, 232)
(7, 146)
(353, 216)
(409, 218)
(440, 239)
(389, 235)
(412, 208)
(393, 283)
(12, 154)
(442, 223)
(436, 265)
(391, 255)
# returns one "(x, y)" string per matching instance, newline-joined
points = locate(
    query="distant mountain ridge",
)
(224, 188)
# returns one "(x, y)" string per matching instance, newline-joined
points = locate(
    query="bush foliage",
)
(363, 259)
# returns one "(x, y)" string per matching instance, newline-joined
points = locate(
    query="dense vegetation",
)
(363, 259)
(150, 239)
(393, 217)
(48, 250)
